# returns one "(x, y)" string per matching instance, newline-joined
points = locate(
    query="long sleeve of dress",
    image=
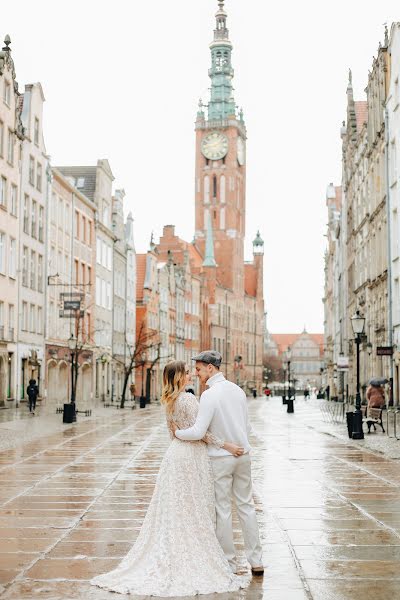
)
(185, 414)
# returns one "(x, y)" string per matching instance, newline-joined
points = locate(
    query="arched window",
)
(222, 185)
(214, 187)
(206, 189)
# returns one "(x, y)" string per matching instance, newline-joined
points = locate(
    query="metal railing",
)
(334, 412)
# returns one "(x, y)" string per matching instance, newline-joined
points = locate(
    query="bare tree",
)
(145, 342)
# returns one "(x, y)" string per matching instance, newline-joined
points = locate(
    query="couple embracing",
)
(185, 546)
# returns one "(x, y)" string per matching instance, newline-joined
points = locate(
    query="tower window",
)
(207, 161)
(214, 187)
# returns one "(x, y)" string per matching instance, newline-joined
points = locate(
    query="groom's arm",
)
(203, 420)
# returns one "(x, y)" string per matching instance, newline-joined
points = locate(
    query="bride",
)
(177, 552)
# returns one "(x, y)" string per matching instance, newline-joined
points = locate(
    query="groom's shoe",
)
(257, 571)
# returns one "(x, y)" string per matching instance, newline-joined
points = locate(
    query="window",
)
(60, 212)
(40, 273)
(33, 219)
(2, 253)
(39, 321)
(41, 218)
(108, 303)
(31, 170)
(32, 318)
(89, 232)
(7, 93)
(24, 316)
(11, 323)
(14, 200)
(105, 215)
(98, 291)
(39, 177)
(33, 270)
(76, 224)
(98, 251)
(89, 277)
(12, 257)
(109, 258)
(36, 132)
(1, 320)
(83, 271)
(1, 138)
(10, 150)
(25, 266)
(83, 229)
(76, 271)
(214, 187)
(26, 214)
(3, 192)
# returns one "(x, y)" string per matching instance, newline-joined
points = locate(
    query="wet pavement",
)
(72, 502)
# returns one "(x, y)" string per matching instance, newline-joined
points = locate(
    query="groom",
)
(223, 412)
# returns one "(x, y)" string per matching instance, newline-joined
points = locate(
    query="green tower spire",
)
(209, 259)
(222, 103)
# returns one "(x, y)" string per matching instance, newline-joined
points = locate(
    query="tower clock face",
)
(241, 151)
(215, 146)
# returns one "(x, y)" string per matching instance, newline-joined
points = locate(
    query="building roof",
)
(85, 178)
(250, 279)
(361, 108)
(140, 275)
(283, 340)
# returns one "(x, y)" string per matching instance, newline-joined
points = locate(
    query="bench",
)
(372, 417)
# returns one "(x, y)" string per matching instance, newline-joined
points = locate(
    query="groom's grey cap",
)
(210, 357)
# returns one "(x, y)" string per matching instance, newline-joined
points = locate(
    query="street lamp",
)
(358, 324)
(143, 356)
(284, 364)
(290, 406)
(69, 413)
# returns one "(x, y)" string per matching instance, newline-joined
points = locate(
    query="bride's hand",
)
(174, 426)
(233, 449)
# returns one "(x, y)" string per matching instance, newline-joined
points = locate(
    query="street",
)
(73, 503)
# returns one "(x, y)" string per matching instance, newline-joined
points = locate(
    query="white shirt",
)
(223, 412)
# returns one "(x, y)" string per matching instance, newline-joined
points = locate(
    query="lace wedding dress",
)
(177, 552)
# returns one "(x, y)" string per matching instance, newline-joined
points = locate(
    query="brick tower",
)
(221, 165)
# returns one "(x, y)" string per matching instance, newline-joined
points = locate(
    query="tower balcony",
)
(222, 124)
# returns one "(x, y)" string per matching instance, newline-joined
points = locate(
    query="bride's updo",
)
(174, 377)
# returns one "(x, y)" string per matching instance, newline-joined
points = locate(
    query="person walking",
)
(33, 392)
(223, 412)
(375, 396)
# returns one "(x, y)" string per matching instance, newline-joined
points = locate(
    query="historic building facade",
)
(11, 136)
(233, 301)
(34, 192)
(357, 256)
(70, 271)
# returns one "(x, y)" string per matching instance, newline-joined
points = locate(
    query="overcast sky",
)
(122, 81)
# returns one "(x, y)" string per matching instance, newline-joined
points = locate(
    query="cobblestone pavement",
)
(73, 502)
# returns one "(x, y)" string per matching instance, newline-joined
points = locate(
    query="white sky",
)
(122, 81)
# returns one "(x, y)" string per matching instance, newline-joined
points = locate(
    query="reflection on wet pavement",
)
(72, 503)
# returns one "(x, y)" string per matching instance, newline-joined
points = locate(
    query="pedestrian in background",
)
(33, 392)
(375, 396)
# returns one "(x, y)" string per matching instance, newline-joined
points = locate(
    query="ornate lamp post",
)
(290, 406)
(143, 356)
(358, 324)
(69, 413)
(285, 365)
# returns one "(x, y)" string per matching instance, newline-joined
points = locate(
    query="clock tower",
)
(221, 165)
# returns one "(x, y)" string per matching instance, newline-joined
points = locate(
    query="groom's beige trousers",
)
(232, 477)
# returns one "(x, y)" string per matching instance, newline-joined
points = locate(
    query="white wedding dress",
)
(177, 552)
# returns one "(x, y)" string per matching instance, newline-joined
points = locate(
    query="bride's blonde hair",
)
(174, 377)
